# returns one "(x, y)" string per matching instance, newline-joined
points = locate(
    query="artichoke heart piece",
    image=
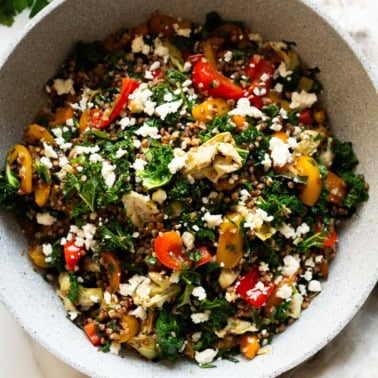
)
(139, 207)
(214, 158)
(236, 327)
(145, 345)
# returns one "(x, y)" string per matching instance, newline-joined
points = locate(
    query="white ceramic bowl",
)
(352, 102)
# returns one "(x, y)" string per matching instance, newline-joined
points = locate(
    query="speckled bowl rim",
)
(27, 325)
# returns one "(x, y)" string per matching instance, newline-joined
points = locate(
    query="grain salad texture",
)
(183, 189)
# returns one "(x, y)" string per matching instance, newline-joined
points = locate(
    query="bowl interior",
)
(349, 96)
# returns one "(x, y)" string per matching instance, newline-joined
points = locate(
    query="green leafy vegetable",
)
(156, 172)
(170, 330)
(345, 158)
(9, 9)
(74, 290)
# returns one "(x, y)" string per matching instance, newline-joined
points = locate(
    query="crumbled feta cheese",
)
(307, 275)
(195, 228)
(314, 286)
(318, 258)
(155, 66)
(227, 56)
(302, 229)
(139, 164)
(183, 32)
(140, 100)
(284, 292)
(45, 219)
(200, 317)
(107, 171)
(188, 239)
(129, 288)
(107, 297)
(120, 153)
(196, 336)
(148, 131)
(177, 163)
(257, 290)
(278, 87)
(291, 265)
(137, 143)
(94, 298)
(244, 108)
(302, 100)
(49, 151)
(148, 75)
(187, 66)
(309, 262)
(206, 356)
(139, 312)
(167, 108)
(159, 196)
(73, 315)
(46, 162)
(95, 158)
(295, 307)
(86, 150)
(126, 122)
(280, 152)
(302, 289)
(138, 45)
(263, 267)
(161, 50)
(63, 87)
(282, 70)
(211, 220)
(174, 277)
(267, 162)
(115, 348)
(47, 249)
(199, 292)
(255, 220)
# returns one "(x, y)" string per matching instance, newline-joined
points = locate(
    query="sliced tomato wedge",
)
(72, 254)
(169, 250)
(207, 79)
(111, 263)
(253, 290)
(90, 331)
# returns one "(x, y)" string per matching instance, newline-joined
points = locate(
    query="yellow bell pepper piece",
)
(249, 345)
(209, 53)
(61, 115)
(35, 133)
(278, 100)
(37, 256)
(305, 84)
(308, 167)
(22, 154)
(42, 193)
(130, 326)
(208, 109)
(281, 135)
(83, 123)
(230, 242)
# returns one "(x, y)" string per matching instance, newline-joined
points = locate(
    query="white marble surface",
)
(353, 353)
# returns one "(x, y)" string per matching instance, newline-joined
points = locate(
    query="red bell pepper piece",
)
(169, 250)
(206, 256)
(331, 237)
(128, 86)
(254, 291)
(90, 331)
(207, 79)
(260, 72)
(305, 117)
(72, 254)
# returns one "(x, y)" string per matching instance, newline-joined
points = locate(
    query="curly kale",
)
(170, 331)
(345, 158)
(357, 191)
